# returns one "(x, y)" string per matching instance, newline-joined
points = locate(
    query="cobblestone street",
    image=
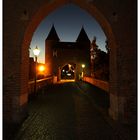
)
(63, 112)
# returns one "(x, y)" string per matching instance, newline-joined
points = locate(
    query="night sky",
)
(68, 21)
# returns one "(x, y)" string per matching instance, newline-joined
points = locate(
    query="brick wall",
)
(99, 83)
(39, 84)
(119, 26)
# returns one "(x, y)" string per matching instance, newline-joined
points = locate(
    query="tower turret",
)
(53, 35)
(50, 42)
(82, 37)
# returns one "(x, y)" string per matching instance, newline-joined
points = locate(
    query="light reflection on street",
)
(66, 80)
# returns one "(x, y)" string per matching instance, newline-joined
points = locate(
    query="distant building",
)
(73, 54)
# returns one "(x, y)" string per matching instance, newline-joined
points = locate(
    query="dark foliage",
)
(100, 62)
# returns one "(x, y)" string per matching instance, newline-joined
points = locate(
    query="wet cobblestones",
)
(61, 112)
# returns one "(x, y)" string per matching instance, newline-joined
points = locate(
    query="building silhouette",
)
(59, 54)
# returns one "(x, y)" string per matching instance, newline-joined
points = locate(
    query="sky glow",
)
(68, 21)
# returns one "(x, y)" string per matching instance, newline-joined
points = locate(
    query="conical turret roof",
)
(82, 37)
(53, 34)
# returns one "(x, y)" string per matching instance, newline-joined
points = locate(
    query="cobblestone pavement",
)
(63, 112)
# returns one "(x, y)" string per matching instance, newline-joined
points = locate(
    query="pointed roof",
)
(82, 36)
(53, 34)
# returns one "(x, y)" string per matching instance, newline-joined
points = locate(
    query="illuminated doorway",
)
(68, 72)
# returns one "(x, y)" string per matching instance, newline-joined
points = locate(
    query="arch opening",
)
(90, 8)
(68, 72)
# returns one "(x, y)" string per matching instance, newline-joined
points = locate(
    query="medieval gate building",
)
(58, 54)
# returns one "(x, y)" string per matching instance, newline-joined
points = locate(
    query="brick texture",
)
(21, 18)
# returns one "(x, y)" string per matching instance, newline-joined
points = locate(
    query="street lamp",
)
(83, 66)
(41, 68)
(36, 52)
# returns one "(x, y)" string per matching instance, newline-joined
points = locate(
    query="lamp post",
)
(36, 52)
(83, 66)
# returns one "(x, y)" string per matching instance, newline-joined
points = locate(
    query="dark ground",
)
(71, 111)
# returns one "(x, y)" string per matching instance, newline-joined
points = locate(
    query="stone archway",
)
(93, 11)
(15, 105)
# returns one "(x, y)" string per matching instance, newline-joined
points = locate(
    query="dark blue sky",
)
(68, 21)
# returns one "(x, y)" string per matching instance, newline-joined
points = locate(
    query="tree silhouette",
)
(100, 61)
